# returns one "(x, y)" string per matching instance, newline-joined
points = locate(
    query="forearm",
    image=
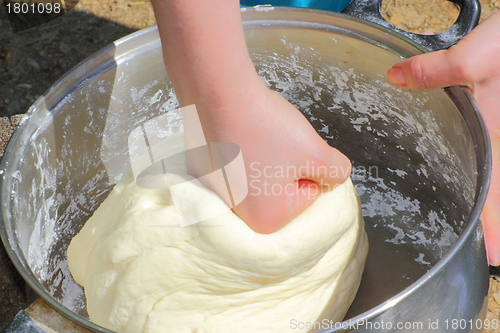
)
(205, 51)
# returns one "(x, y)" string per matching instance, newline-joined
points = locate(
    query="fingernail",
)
(493, 260)
(395, 75)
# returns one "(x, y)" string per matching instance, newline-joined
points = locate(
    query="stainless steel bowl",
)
(421, 158)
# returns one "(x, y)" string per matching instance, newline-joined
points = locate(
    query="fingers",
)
(471, 61)
(430, 70)
(333, 170)
(275, 200)
(269, 205)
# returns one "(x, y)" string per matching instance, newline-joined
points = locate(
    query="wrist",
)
(233, 110)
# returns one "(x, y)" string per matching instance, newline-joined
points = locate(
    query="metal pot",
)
(421, 163)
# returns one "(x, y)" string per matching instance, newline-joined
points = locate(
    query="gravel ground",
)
(421, 16)
(493, 302)
(33, 59)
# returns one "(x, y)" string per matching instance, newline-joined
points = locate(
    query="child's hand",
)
(287, 162)
(474, 62)
(208, 63)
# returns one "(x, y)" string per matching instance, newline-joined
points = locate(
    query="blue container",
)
(333, 5)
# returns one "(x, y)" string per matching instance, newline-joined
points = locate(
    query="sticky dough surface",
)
(142, 272)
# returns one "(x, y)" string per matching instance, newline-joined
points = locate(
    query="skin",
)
(473, 62)
(209, 66)
(208, 63)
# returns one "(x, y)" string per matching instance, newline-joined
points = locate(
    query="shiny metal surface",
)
(333, 5)
(421, 162)
(470, 11)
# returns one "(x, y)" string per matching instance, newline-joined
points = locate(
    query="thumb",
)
(431, 70)
(334, 169)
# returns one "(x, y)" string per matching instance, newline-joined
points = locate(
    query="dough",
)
(142, 272)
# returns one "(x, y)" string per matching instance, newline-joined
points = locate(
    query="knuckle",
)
(461, 70)
(418, 74)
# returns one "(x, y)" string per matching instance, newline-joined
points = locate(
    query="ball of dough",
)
(142, 272)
